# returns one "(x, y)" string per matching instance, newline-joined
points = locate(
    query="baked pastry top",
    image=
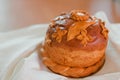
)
(77, 30)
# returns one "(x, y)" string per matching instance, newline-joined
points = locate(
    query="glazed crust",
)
(73, 58)
(98, 41)
(72, 71)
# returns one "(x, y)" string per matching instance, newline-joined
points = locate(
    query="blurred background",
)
(16, 14)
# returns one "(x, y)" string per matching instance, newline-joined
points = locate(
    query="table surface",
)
(16, 14)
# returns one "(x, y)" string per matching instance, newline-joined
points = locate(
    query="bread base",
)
(72, 71)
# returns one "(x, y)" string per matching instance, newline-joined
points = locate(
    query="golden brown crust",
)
(73, 58)
(73, 71)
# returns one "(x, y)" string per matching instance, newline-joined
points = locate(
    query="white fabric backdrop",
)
(19, 60)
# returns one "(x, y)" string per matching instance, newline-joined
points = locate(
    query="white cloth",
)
(19, 60)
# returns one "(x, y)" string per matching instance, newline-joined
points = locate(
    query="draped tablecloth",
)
(19, 59)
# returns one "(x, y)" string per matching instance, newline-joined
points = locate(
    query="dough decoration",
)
(59, 34)
(104, 30)
(78, 30)
(79, 15)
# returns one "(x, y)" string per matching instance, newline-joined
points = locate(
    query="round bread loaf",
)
(75, 40)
